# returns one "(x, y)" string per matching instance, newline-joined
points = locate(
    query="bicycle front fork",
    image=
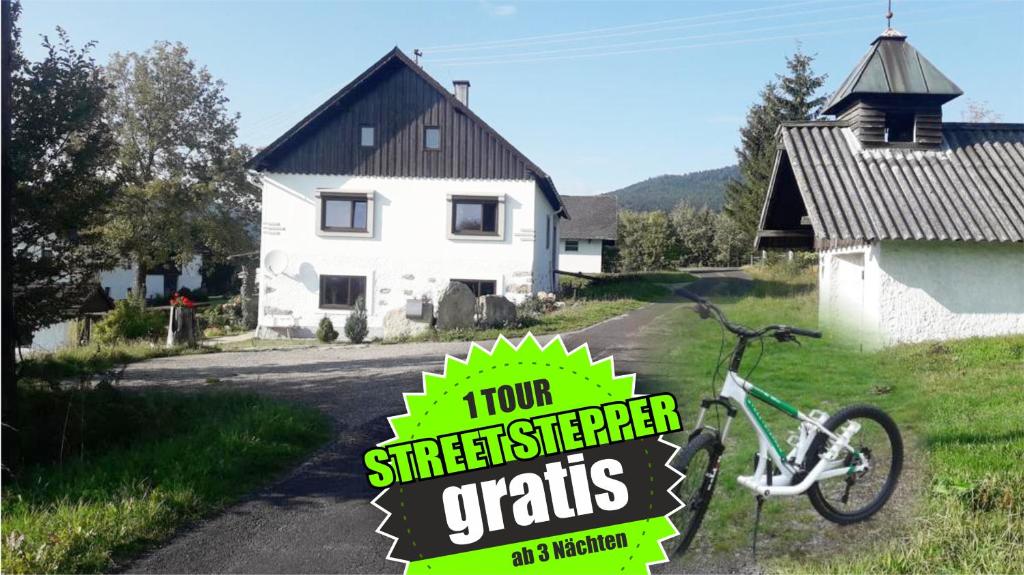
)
(730, 412)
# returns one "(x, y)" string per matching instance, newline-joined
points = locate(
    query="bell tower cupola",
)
(894, 96)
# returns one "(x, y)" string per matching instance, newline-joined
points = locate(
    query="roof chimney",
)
(462, 91)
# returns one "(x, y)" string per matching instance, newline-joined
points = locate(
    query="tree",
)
(979, 112)
(180, 176)
(60, 153)
(792, 97)
(729, 242)
(646, 241)
(695, 229)
(356, 329)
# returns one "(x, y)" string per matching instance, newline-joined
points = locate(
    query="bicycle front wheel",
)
(698, 462)
(857, 496)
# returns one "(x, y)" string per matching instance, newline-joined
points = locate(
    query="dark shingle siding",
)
(593, 218)
(400, 100)
(970, 189)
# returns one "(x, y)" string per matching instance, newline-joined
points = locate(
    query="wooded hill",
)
(706, 187)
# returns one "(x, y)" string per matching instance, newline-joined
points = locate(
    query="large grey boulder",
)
(456, 307)
(496, 311)
(397, 325)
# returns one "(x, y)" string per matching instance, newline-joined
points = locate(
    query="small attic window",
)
(367, 136)
(899, 127)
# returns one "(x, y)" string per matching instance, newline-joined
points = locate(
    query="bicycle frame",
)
(789, 465)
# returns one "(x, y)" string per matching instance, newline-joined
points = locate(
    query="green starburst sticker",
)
(528, 459)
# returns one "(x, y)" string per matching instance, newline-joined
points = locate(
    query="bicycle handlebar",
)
(741, 330)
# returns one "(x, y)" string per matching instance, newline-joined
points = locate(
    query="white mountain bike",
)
(848, 463)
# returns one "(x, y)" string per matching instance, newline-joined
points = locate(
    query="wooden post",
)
(182, 328)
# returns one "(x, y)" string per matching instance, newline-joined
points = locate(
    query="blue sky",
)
(600, 94)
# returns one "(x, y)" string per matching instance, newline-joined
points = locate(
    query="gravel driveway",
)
(318, 518)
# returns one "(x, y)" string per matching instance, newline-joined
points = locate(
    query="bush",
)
(129, 320)
(355, 325)
(325, 332)
(222, 319)
(533, 307)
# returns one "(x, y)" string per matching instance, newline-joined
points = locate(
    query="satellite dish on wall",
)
(276, 262)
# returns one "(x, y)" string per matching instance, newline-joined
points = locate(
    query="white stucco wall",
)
(947, 290)
(121, 279)
(409, 255)
(586, 260)
(918, 291)
(545, 252)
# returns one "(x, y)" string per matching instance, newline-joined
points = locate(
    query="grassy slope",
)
(158, 461)
(959, 408)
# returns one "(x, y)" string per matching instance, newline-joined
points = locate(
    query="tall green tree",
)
(60, 153)
(646, 241)
(181, 177)
(729, 242)
(695, 229)
(793, 96)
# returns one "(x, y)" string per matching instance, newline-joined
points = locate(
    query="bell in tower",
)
(894, 96)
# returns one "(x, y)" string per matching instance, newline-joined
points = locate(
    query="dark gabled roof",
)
(266, 157)
(893, 66)
(969, 189)
(593, 218)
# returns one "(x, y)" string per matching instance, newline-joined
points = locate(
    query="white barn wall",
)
(948, 290)
(586, 260)
(409, 254)
(916, 291)
(849, 280)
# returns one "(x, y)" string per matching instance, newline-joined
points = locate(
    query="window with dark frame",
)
(367, 136)
(432, 138)
(572, 245)
(899, 127)
(343, 213)
(475, 217)
(341, 292)
(480, 287)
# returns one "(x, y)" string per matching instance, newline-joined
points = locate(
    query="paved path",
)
(318, 518)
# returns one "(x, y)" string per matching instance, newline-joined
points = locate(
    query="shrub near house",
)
(129, 321)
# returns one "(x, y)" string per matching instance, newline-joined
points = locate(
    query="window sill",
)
(344, 234)
(475, 237)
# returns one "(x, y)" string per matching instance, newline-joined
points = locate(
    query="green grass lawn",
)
(958, 404)
(141, 465)
(73, 362)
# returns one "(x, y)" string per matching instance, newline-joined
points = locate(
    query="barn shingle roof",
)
(593, 218)
(969, 189)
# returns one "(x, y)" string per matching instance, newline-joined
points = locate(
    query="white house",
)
(389, 190)
(919, 223)
(164, 280)
(116, 284)
(594, 225)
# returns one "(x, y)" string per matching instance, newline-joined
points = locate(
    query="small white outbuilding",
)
(582, 240)
(919, 223)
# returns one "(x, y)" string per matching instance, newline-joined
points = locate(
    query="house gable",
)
(399, 101)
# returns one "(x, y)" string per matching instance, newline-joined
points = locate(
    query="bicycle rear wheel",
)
(857, 496)
(698, 462)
